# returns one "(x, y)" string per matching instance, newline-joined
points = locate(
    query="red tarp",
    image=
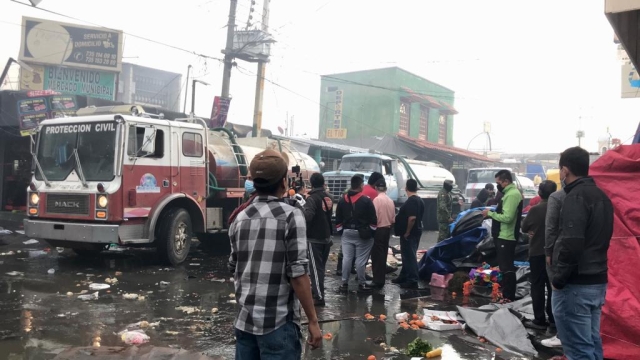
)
(617, 173)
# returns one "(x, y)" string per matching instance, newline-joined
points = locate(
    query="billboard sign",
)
(34, 106)
(92, 83)
(336, 133)
(630, 81)
(57, 43)
(219, 112)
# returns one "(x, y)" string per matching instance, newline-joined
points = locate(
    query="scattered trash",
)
(232, 301)
(194, 264)
(88, 297)
(214, 310)
(134, 337)
(111, 281)
(218, 280)
(187, 309)
(69, 293)
(118, 273)
(164, 283)
(96, 286)
(30, 242)
(79, 274)
(5, 232)
(232, 295)
(130, 296)
(36, 253)
(115, 247)
(21, 232)
(171, 332)
(141, 298)
(15, 273)
(59, 249)
(84, 292)
(51, 271)
(8, 253)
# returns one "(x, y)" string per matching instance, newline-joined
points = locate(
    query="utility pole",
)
(228, 51)
(262, 64)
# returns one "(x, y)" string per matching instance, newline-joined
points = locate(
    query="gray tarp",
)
(500, 327)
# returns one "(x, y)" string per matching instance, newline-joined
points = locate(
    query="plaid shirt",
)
(268, 248)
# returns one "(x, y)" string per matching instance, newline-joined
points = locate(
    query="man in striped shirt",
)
(270, 267)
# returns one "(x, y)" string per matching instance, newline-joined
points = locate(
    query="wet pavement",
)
(189, 307)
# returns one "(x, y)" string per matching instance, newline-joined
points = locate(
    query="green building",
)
(388, 101)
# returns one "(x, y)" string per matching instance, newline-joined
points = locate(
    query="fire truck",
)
(119, 175)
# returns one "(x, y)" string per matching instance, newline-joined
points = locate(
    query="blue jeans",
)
(577, 310)
(354, 247)
(408, 250)
(282, 343)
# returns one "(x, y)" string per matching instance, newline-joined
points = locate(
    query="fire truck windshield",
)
(93, 142)
(365, 164)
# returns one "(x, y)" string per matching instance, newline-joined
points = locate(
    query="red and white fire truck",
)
(117, 175)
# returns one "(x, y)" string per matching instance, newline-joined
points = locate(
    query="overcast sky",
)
(537, 70)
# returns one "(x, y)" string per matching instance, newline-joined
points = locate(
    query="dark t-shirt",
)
(412, 207)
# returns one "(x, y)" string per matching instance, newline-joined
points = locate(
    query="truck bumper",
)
(59, 230)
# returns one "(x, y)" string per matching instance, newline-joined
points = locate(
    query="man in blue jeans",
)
(270, 267)
(408, 225)
(579, 263)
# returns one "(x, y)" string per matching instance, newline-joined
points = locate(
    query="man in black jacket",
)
(317, 212)
(356, 219)
(579, 264)
(535, 225)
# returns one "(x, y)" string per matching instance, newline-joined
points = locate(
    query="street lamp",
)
(193, 94)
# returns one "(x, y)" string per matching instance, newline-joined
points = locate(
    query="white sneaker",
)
(552, 342)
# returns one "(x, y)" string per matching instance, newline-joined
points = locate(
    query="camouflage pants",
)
(443, 231)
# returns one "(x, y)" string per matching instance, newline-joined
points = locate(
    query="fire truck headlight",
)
(102, 201)
(34, 199)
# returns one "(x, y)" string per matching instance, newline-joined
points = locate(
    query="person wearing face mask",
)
(579, 262)
(248, 188)
(508, 214)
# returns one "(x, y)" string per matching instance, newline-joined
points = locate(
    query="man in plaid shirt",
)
(270, 266)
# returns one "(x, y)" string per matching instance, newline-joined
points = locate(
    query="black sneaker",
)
(409, 285)
(344, 287)
(533, 324)
(368, 277)
(364, 289)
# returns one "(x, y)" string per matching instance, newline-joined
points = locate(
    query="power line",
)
(127, 33)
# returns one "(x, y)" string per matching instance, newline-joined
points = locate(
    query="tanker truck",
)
(396, 170)
(118, 175)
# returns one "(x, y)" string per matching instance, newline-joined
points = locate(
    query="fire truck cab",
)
(130, 179)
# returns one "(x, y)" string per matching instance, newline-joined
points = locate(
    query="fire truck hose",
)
(214, 184)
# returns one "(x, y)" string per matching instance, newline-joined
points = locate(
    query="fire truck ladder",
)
(241, 158)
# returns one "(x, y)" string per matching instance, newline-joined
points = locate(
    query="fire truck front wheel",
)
(174, 236)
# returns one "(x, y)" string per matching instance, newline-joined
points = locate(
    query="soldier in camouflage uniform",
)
(445, 210)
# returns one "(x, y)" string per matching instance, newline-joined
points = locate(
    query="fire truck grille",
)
(68, 204)
(337, 186)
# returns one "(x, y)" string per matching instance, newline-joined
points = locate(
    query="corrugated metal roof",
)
(444, 148)
(323, 144)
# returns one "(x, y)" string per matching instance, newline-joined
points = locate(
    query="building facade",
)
(389, 101)
(148, 86)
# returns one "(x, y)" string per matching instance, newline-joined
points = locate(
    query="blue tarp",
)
(463, 213)
(439, 259)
